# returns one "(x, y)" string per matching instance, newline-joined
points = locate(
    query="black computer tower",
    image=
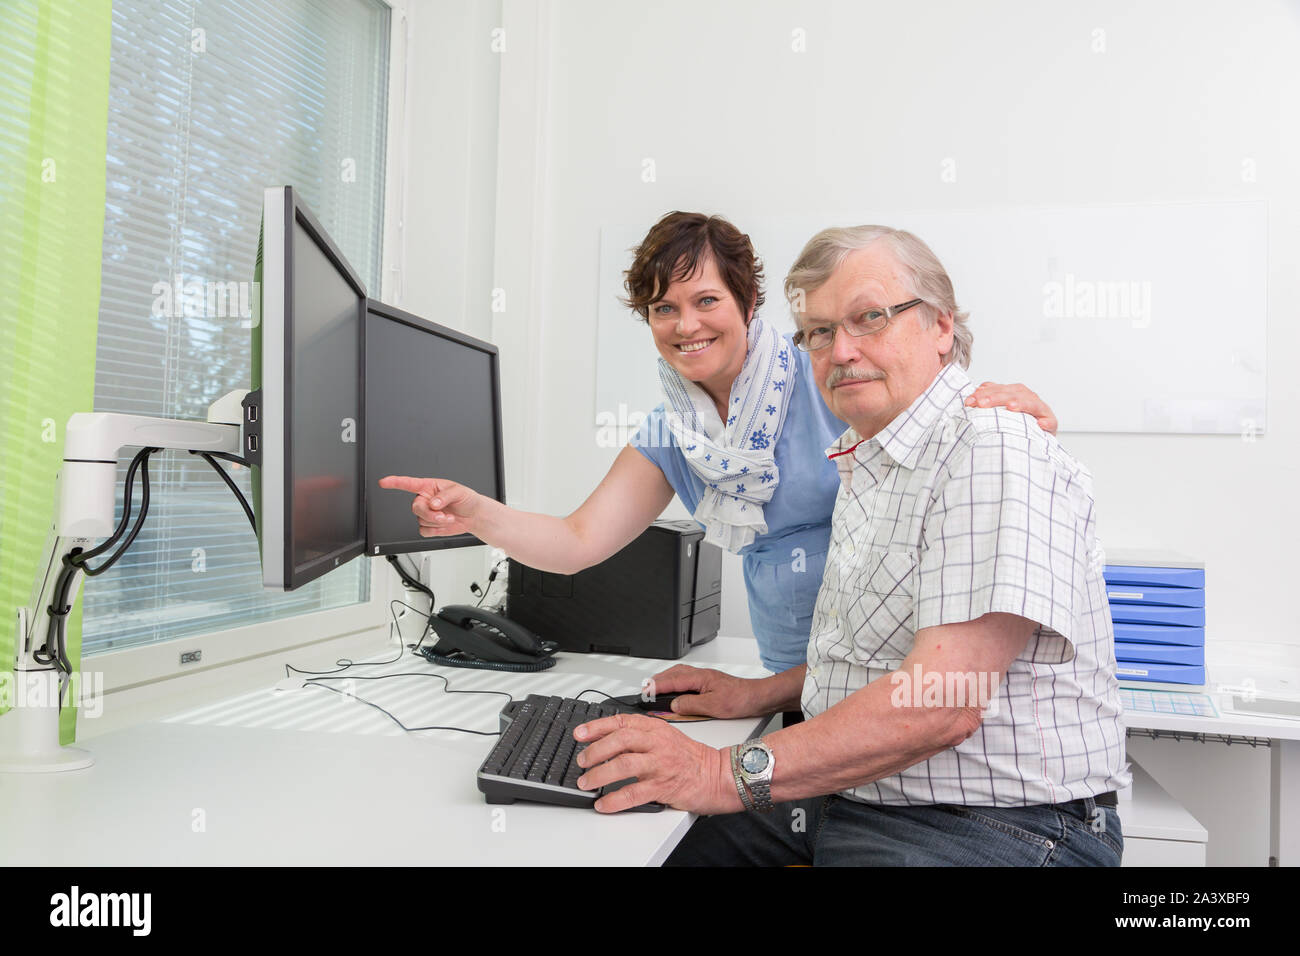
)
(658, 597)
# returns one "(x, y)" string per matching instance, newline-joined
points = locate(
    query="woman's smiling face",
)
(700, 330)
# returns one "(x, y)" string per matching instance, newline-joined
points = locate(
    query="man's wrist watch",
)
(754, 763)
(740, 783)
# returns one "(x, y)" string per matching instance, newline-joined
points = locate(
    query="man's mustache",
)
(841, 372)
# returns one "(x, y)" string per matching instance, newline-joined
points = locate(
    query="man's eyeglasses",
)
(864, 323)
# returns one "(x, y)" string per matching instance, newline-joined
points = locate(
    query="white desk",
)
(265, 778)
(1273, 671)
(309, 777)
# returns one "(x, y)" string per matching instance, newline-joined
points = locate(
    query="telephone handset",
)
(487, 636)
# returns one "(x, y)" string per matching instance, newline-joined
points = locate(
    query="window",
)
(211, 101)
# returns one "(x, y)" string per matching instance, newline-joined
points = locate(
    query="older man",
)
(960, 686)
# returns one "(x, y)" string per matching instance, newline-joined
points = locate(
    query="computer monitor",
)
(433, 410)
(304, 420)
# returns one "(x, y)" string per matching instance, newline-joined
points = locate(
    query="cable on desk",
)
(592, 690)
(316, 682)
(343, 663)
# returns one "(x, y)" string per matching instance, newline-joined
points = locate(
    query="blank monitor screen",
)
(325, 434)
(308, 364)
(433, 410)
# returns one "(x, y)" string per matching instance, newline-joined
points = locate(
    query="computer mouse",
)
(662, 701)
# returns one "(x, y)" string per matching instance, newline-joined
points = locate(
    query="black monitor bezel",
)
(418, 544)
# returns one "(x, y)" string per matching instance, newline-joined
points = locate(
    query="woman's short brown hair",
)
(674, 248)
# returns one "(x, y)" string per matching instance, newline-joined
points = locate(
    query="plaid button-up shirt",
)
(950, 513)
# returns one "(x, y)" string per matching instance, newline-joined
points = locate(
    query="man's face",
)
(868, 380)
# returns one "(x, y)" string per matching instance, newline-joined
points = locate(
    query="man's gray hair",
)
(826, 252)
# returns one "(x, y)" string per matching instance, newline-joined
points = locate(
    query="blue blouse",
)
(783, 568)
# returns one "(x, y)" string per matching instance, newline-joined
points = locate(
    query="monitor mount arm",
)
(85, 499)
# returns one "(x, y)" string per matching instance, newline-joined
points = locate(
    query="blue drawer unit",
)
(1122, 613)
(1166, 597)
(1160, 673)
(1159, 619)
(1155, 577)
(1159, 653)
(1158, 634)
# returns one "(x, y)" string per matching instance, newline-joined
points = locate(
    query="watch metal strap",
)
(740, 782)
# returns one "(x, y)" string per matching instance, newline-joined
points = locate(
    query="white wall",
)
(1032, 104)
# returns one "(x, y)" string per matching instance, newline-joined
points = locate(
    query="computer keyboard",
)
(534, 759)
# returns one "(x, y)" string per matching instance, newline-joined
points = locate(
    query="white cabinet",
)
(1158, 831)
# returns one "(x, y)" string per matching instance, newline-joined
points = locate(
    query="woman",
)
(740, 438)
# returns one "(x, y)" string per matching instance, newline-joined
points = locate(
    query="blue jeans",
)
(836, 831)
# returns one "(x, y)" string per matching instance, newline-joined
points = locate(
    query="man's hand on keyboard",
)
(670, 767)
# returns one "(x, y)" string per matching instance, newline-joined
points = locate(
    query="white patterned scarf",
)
(736, 460)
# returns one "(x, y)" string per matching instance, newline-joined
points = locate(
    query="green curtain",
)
(54, 61)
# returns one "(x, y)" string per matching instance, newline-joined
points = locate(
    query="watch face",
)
(754, 760)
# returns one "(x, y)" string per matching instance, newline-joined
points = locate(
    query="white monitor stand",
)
(84, 502)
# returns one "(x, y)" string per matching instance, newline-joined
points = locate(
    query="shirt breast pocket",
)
(881, 608)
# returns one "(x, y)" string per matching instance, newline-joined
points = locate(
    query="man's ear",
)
(944, 327)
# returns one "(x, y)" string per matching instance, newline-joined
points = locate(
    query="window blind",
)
(210, 102)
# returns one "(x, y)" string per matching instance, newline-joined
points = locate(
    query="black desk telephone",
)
(470, 634)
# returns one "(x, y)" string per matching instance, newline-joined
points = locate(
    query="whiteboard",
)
(1141, 318)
